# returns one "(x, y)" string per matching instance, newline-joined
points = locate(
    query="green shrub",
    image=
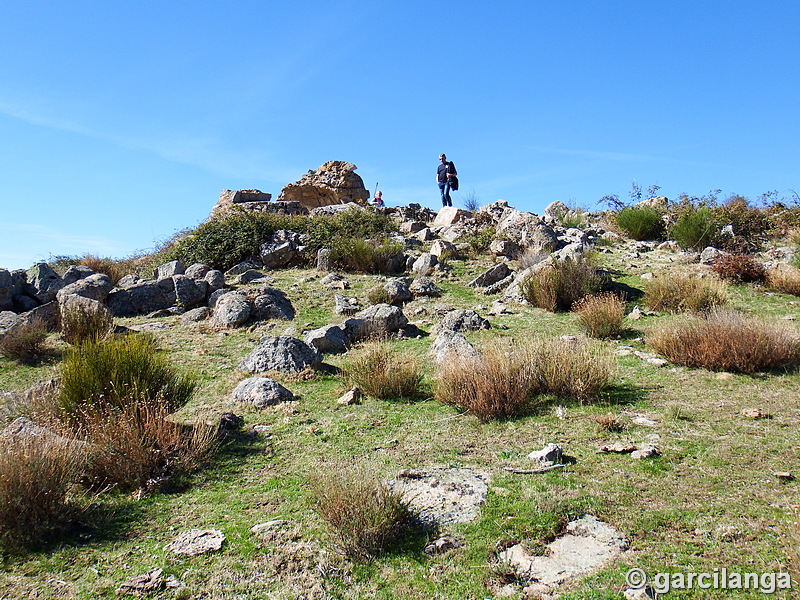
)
(557, 286)
(641, 222)
(36, 474)
(367, 517)
(675, 293)
(24, 342)
(695, 229)
(739, 268)
(384, 374)
(600, 315)
(120, 372)
(81, 323)
(727, 341)
(366, 256)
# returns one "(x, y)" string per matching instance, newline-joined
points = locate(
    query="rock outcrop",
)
(335, 182)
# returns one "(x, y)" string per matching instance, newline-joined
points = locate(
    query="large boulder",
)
(335, 182)
(189, 292)
(43, 282)
(261, 392)
(6, 290)
(231, 309)
(281, 353)
(331, 339)
(96, 286)
(283, 248)
(462, 320)
(272, 303)
(377, 320)
(491, 276)
(142, 297)
(450, 215)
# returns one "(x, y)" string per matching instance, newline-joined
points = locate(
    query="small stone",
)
(442, 545)
(645, 451)
(549, 455)
(269, 526)
(617, 447)
(635, 314)
(147, 582)
(755, 413)
(784, 475)
(196, 541)
(350, 398)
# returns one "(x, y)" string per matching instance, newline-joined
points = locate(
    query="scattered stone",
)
(152, 326)
(231, 309)
(261, 392)
(635, 314)
(330, 339)
(645, 593)
(334, 281)
(491, 276)
(617, 447)
(196, 541)
(442, 496)
(551, 454)
(196, 315)
(755, 413)
(424, 286)
(442, 544)
(462, 320)
(147, 582)
(269, 526)
(450, 345)
(272, 303)
(784, 475)
(351, 397)
(641, 419)
(645, 451)
(587, 545)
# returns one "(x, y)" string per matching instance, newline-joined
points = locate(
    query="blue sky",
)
(120, 122)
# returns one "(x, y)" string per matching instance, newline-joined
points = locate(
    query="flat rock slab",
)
(587, 545)
(196, 541)
(442, 496)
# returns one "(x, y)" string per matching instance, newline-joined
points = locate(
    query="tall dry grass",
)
(601, 315)
(784, 279)
(725, 340)
(557, 286)
(383, 373)
(507, 381)
(36, 476)
(81, 324)
(367, 517)
(25, 342)
(678, 293)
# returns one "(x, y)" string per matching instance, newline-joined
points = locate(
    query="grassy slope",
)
(709, 501)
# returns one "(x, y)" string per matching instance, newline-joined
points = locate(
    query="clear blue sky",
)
(120, 122)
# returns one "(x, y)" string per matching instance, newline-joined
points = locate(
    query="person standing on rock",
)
(445, 179)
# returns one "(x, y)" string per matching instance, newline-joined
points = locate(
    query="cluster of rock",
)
(335, 182)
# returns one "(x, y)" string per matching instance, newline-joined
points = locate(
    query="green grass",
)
(715, 468)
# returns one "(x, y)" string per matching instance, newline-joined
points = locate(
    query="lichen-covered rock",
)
(335, 182)
(330, 338)
(261, 392)
(280, 353)
(96, 286)
(462, 320)
(231, 309)
(272, 303)
(142, 297)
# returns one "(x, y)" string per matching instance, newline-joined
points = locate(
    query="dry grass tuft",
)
(727, 341)
(611, 423)
(785, 279)
(504, 382)
(557, 286)
(367, 517)
(383, 373)
(139, 446)
(601, 315)
(36, 474)
(676, 293)
(25, 342)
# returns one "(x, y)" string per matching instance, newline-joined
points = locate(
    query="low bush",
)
(784, 279)
(641, 222)
(383, 373)
(572, 370)
(137, 445)
(557, 286)
(367, 517)
(25, 342)
(120, 372)
(727, 341)
(81, 324)
(739, 268)
(749, 224)
(366, 256)
(695, 229)
(36, 474)
(601, 315)
(676, 293)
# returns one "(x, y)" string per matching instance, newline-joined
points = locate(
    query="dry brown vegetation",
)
(679, 293)
(383, 373)
(367, 517)
(785, 279)
(601, 315)
(25, 342)
(726, 340)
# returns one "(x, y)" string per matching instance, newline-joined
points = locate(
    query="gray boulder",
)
(281, 353)
(377, 320)
(6, 290)
(231, 309)
(451, 345)
(8, 321)
(174, 267)
(76, 272)
(261, 392)
(491, 276)
(424, 286)
(195, 315)
(272, 303)
(189, 292)
(197, 271)
(462, 320)
(284, 248)
(345, 305)
(397, 291)
(43, 282)
(96, 286)
(142, 297)
(424, 264)
(215, 280)
(330, 339)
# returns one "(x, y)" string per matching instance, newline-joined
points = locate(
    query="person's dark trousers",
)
(445, 189)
